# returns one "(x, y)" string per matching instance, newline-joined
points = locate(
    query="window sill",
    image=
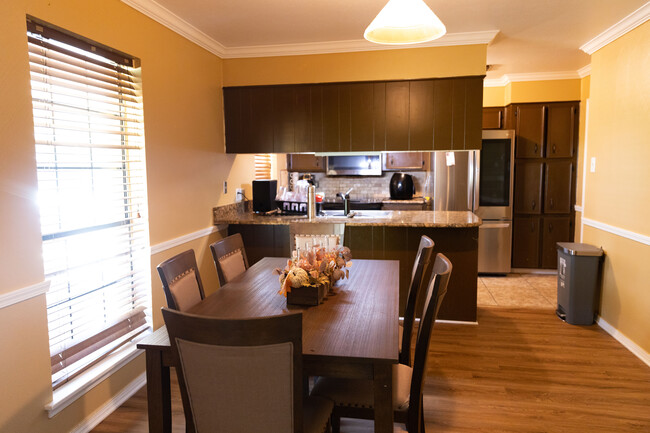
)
(70, 392)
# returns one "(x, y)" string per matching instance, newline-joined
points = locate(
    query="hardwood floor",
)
(519, 370)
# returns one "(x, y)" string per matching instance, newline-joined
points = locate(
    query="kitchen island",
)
(389, 235)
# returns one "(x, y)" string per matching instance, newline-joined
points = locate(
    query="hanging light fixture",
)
(405, 22)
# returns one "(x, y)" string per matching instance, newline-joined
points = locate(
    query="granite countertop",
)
(240, 214)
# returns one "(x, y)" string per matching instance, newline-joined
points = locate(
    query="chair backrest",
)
(435, 293)
(181, 281)
(420, 266)
(229, 257)
(238, 375)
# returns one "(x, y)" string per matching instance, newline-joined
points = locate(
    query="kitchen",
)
(187, 165)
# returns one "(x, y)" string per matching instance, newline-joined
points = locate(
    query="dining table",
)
(352, 333)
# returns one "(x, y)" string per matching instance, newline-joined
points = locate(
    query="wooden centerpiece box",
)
(307, 295)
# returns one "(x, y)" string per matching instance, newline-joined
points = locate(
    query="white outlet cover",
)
(592, 168)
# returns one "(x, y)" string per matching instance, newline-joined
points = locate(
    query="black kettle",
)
(401, 186)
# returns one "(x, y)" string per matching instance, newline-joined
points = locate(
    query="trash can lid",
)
(577, 249)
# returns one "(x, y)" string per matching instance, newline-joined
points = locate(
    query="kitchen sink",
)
(358, 214)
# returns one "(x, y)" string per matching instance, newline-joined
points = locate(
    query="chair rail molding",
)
(637, 237)
(159, 248)
(23, 294)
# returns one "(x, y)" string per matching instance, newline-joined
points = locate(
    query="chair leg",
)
(336, 422)
(422, 429)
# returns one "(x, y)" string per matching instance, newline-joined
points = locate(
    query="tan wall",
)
(494, 96)
(584, 96)
(185, 170)
(359, 66)
(521, 92)
(617, 194)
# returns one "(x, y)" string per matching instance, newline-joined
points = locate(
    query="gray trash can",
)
(578, 269)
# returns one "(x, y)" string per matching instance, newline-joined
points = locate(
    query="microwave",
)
(354, 164)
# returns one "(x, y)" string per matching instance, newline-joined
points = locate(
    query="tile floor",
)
(518, 290)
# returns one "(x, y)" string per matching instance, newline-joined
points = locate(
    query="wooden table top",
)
(358, 321)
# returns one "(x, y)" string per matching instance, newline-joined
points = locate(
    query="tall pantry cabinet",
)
(545, 169)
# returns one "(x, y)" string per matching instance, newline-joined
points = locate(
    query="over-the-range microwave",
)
(354, 164)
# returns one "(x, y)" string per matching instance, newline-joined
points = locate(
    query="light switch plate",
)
(592, 168)
(225, 187)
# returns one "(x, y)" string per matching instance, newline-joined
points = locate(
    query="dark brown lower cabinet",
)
(554, 230)
(460, 245)
(525, 242)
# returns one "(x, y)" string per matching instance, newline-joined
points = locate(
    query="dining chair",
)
(353, 398)
(243, 375)
(181, 281)
(229, 257)
(420, 267)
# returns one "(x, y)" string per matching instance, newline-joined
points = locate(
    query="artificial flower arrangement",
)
(315, 267)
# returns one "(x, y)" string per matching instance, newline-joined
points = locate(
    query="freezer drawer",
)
(494, 247)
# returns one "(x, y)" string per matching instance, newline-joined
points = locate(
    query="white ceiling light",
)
(405, 22)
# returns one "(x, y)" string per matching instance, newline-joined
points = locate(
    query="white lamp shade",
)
(405, 22)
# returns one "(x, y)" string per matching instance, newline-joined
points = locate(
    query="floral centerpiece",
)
(317, 267)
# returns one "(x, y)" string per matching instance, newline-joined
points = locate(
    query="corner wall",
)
(617, 195)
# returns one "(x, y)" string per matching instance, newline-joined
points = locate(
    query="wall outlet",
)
(225, 187)
(239, 194)
(592, 168)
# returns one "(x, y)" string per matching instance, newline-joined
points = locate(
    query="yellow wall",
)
(520, 92)
(186, 167)
(584, 96)
(358, 66)
(618, 193)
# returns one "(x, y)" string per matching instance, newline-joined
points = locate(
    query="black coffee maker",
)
(264, 192)
(401, 187)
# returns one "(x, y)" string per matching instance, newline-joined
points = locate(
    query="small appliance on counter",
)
(401, 186)
(264, 192)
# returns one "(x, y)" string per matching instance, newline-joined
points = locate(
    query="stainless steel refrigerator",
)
(481, 182)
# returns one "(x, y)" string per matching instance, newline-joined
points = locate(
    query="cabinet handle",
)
(392, 161)
(550, 227)
(423, 163)
(533, 204)
(536, 147)
(551, 203)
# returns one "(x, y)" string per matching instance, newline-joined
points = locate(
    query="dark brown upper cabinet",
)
(530, 121)
(561, 130)
(528, 187)
(305, 162)
(493, 117)
(433, 114)
(558, 187)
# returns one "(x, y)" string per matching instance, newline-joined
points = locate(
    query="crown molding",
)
(584, 71)
(531, 76)
(468, 38)
(625, 25)
(173, 22)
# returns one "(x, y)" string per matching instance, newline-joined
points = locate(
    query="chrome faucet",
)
(346, 201)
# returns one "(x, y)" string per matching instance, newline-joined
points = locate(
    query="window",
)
(263, 166)
(92, 197)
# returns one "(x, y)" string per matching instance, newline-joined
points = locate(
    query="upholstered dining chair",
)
(243, 375)
(353, 398)
(420, 267)
(229, 257)
(181, 281)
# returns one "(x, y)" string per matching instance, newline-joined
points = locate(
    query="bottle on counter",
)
(311, 202)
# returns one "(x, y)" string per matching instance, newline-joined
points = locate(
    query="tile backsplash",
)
(365, 187)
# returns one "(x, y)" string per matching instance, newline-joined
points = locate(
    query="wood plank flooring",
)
(519, 370)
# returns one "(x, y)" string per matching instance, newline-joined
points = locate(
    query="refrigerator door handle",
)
(473, 184)
(488, 225)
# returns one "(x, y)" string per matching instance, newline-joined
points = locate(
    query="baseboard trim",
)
(626, 342)
(453, 322)
(637, 237)
(23, 294)
(163, 246)
(109, 407)
(534, 271)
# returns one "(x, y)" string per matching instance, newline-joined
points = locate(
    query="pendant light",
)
(405, 22)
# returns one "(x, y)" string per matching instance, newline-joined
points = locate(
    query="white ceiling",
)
(541, 36)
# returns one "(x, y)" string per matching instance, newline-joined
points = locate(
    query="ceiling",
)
(533, 36)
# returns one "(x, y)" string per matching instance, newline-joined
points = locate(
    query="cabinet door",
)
(397, 115)
(361, 116)
(283, 119)
(379, 116)
(302, 118)
(530, 130)
(492, 118)
(232, 101)
(330, 117)
(525, 242)
(404, 161)
(560, 142)
(305, 163)
(421, 115)
(316, 118)
(528, 187)
(442, 117)
(473, 105)
(554, 230)
(344, 117)
(258, 130)
(558, 187)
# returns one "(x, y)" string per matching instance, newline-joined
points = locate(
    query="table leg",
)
(159, 403)
(383, 390)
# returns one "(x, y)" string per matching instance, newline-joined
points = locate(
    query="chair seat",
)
(316, 413)
(359, 392)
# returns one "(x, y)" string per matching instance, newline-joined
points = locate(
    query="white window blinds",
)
(91, 191)
(263, 166)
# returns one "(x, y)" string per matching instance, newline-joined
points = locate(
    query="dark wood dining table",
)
(353, 333)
